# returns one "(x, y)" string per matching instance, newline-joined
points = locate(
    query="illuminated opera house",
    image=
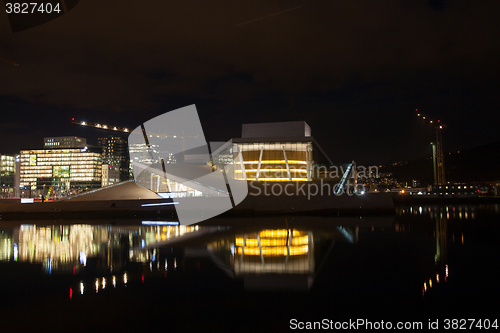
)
(270, 152)
(207, 179)
(281, 151)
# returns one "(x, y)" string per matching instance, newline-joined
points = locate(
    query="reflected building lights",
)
(452, 212)
(72, 248)
(287, 251)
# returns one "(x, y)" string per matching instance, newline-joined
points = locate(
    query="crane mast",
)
(437, 150)
(441, 179)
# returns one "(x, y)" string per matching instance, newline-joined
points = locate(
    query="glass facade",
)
(7, 169)
(165, 187)
(60, 168)
(115, 153)
(276, 161)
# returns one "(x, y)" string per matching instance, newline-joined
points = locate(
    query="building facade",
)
(60, 171)
(115, 153)
(64, 142)
(281, 151)
(110, 175)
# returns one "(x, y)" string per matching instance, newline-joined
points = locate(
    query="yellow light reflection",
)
(278, 233)
(97, 285)
(279, 179)
(425, 286)
(271, 170)
(437, 278)
(430, 283)
(301, 240)
(273, 251)
(275, 162)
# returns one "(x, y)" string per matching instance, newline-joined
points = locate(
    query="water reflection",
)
(279, 253)
(271, 258)
(71, 248)
(459, 212)
(449, 226)
(290, 258)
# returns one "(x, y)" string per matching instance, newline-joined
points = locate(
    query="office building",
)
(65, 142)
(115, 154)
(110, 174)
(60, 171)
(7, 176)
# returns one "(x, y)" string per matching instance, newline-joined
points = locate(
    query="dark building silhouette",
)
(115, 153)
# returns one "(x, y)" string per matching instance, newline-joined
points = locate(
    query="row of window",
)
(63, 166)
(45, 151)
(94, 163)
(29, 181)
(50, 173)
(63, 158)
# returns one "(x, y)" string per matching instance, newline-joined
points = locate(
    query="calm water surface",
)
(426, 262)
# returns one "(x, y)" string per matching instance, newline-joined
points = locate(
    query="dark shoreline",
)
(125, 209)
(414, 199)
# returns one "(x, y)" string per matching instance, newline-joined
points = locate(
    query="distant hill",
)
(479, 164)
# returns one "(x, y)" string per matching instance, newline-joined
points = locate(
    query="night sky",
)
(354, 70)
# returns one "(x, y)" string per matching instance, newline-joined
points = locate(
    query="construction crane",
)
(437, 149)
(126, 130)
(101, 126)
